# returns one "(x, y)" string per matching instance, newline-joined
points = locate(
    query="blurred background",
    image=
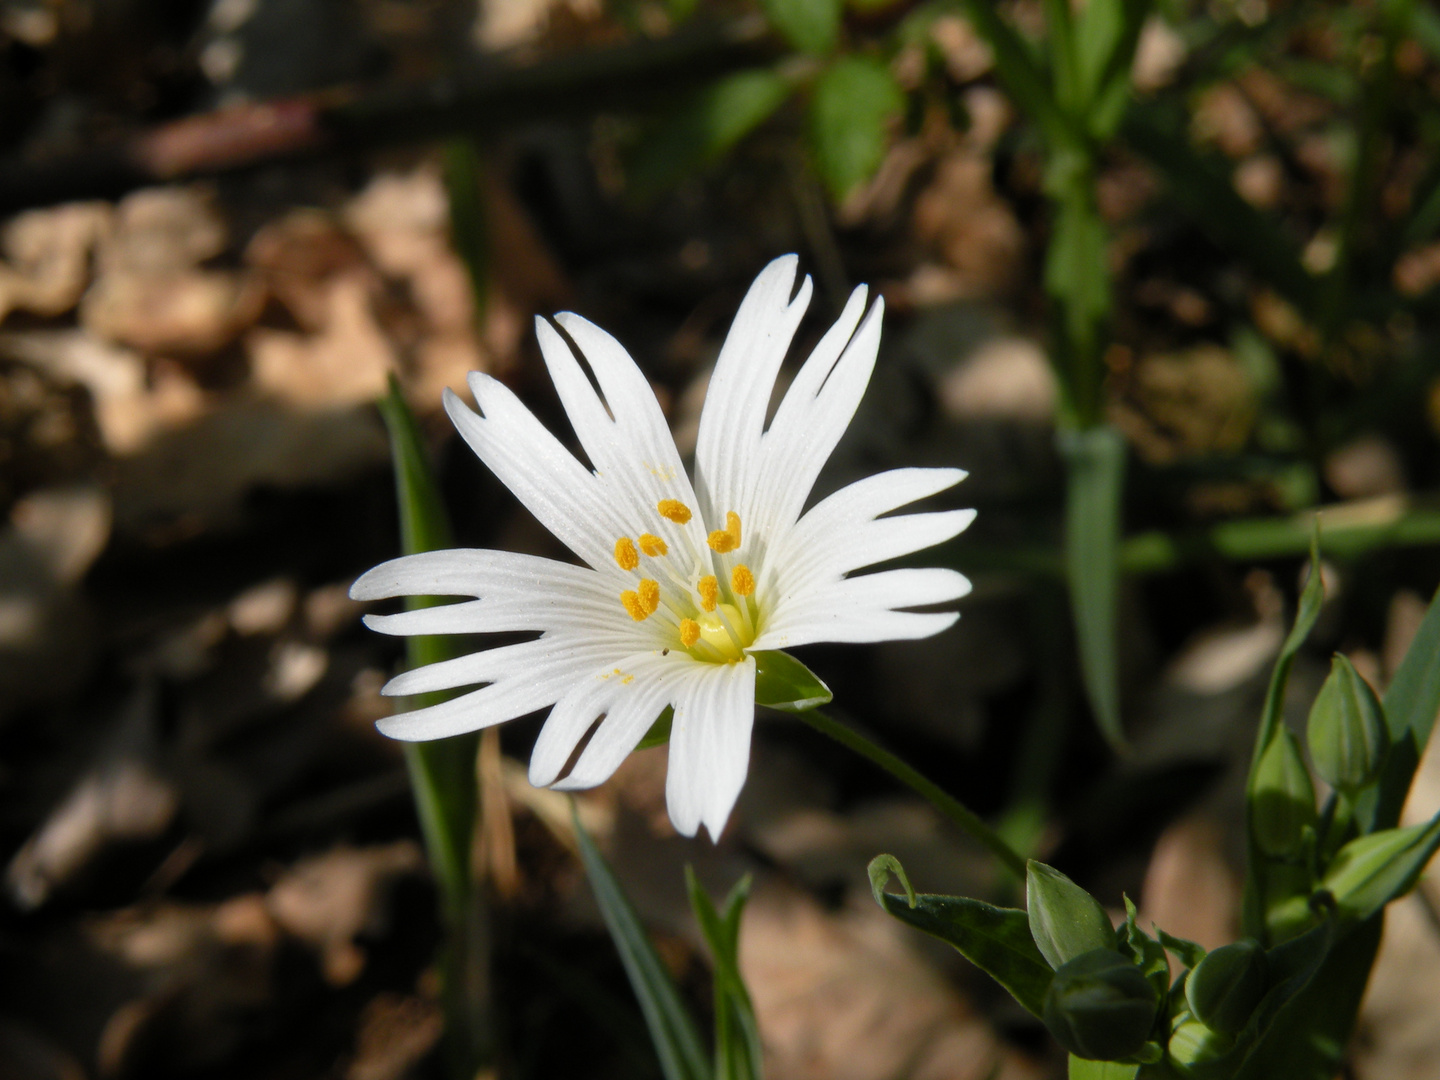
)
(1205, 238)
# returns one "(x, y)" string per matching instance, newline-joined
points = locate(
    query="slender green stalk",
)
(951, 807)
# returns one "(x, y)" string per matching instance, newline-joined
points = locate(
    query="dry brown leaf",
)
(47, 256)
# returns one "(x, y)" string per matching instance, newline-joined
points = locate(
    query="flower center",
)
(714, 616)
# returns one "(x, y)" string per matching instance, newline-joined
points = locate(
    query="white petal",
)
(631, 714)
(710, 746)
(602, 691)
(860, 609)
(467, 572)
(633, 452)
(859, 628)
(564, 495)
(817, 409)
(526, 677)
(865, 545)
(727, 447)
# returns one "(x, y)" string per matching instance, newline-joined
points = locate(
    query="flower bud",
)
(1348, 735)
(1226, 986)
(1100, 1006)
(1193, 1046)
(1065, 920)
(1283, 797)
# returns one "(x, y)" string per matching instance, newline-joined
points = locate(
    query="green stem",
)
(952, 808)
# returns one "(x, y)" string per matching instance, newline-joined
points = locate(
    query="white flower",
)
(681, 582)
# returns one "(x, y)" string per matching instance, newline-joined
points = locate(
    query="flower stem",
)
(951, 807)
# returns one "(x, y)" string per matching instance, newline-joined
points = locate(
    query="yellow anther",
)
(742, 580)
(649, 595)
(709, 591)
(625, 553)
(728, 538)
(652, 545)
(673, 510)
(631, 599)
(689, 632)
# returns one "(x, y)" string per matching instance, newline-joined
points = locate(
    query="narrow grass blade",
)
(672, 1030)
(442, 773)
(1411, 704)
(1096, 470)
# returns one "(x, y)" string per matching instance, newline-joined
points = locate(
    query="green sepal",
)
(1144, 951)
(1065, 920)
(996, 940)
(1101, 1006)
(784, 683)
(659, 733)
(1187, 952)
(1085, 1069)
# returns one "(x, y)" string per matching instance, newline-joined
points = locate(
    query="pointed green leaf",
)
(854, 102)
(1095, 462)
(1144, 951)
(810, 25)
(1411, 704)
(1065, 920)
(996, 940)
(672, 1030)
(704, 127)
(737, 1035)
(784, 683)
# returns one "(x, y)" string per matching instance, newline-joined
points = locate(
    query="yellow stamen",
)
(652, 545)
(631, 599)
(625, 553)
(742, 580)
(673, 510)
(728, 538)
(649, 595)
(689, 632)
(709, 590)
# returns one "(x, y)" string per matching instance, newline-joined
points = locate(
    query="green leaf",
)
(1370, 871)
(1065, 920)
(1084, 1069)
(659, 733)
(880, 869)
(1411, 704)
(784, 683)
(737, 1035)
(1105, 38)
(854, 101)
(996, 940)
(1282, 798)
(1305, 1022)
(810, 25)
(1095, 461)
(469, 227)
(704, 127)
(442, 773)
(672, 1030)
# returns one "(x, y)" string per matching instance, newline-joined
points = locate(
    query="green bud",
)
(1100, 1006)
(1347, 733)
(1227, 985)
(1065, 920)
(1193, 1046)
(1283, 798)
(1370, 871)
